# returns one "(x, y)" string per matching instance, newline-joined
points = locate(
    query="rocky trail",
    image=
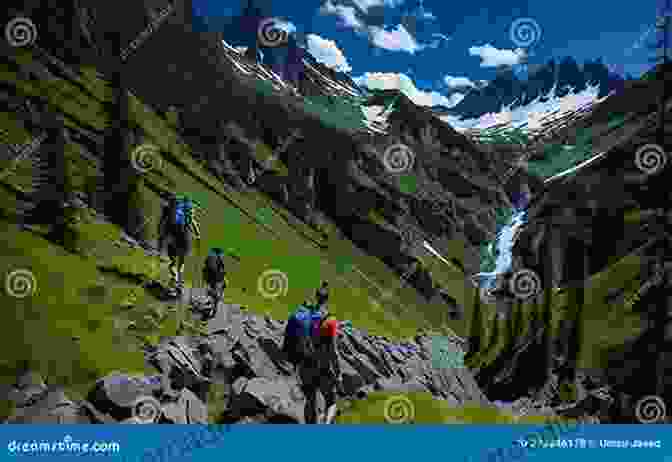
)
(239, 352)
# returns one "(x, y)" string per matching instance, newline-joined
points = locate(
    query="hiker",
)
(214, 275)
(310, 344)
(322, 295)
(177, 225)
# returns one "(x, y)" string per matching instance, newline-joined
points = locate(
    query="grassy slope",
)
(421, 408)
(43, 326)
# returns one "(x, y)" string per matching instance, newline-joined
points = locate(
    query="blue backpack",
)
(183, 212)
(302, 328)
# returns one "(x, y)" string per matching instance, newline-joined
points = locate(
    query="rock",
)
(280, 398)
(188, 409)
(30, 387)
(52, 407)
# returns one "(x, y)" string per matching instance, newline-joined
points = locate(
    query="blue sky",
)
(440, 45)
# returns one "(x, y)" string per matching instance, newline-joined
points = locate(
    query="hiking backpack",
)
(183, 213)
(302, 334)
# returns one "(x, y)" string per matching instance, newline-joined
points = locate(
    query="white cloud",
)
(286, 26)
(364, 5)
(327, 52)
(346, 14)
(458, 82)
(398, 39)
(494, 57)
(403, 83)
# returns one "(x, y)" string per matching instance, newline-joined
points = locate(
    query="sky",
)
(436, 49)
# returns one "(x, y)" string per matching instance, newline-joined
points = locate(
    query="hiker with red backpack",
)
(310, 344)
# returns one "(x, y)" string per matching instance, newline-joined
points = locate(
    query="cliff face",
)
(602, 237)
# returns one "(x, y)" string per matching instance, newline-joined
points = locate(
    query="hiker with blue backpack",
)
(310, 344)
(177, 225)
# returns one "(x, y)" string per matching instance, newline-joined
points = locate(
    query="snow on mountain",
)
(545, 108)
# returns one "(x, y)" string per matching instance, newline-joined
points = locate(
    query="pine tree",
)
(120, 178)
(519, 320)
(494, 334)
(545, 319)
(509, 327)
(475, 328)
(662, 48)
(576, 308)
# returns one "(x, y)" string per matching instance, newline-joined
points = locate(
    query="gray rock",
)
(54, 407)
(188, 409)
(277, 397)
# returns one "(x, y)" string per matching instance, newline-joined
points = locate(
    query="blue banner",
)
(457, 443)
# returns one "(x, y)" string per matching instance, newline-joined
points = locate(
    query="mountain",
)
(619, 196)
(292, 62)
(507, 89)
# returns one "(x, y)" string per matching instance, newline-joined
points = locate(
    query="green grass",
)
(39, 329)
(422, 408)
